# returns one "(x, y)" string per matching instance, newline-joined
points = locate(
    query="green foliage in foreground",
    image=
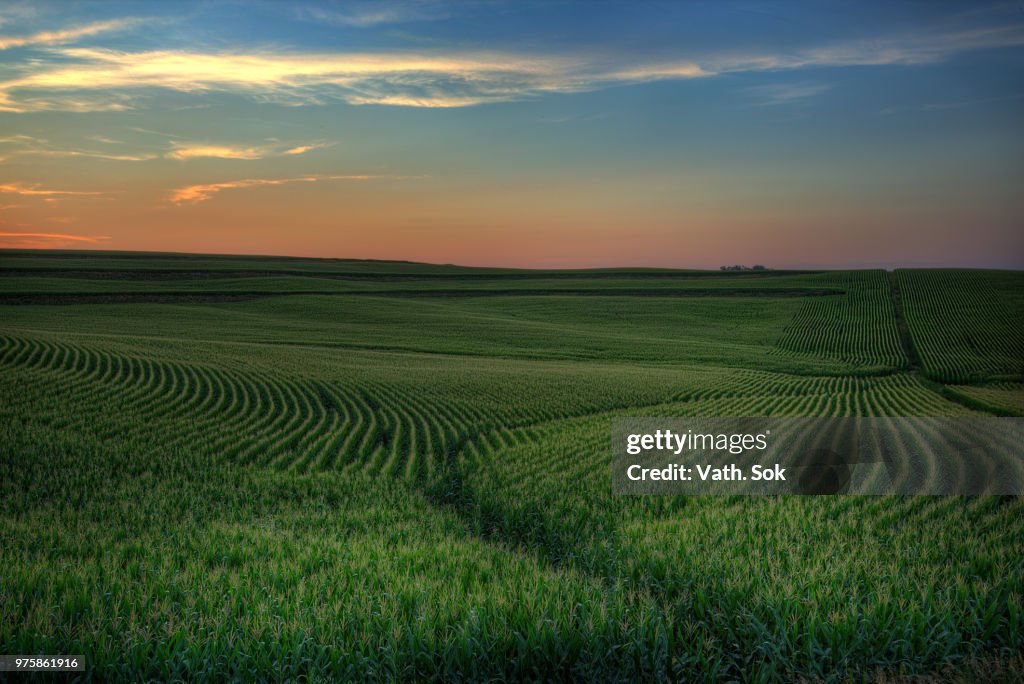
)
(351, 488)
(172, 566)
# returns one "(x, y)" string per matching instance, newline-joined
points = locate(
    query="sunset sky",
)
(533, 134)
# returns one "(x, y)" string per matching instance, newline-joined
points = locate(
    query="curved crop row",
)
(371, 421)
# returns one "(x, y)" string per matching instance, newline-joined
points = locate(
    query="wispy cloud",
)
(21, 139)
(369, 14)
(431, 79)
(195, 151)
(410, 79)
(67, 102)
(29, 146)
(914, 49)
(657, 71)
(185, 151)
(57, 236)
(66, 35)
(303, 149)
(785, 93)
(192, 194)
(925, 47)
(46, 240)
(36, 191)
(89, 154)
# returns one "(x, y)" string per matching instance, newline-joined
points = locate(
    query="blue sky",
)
(528, 133)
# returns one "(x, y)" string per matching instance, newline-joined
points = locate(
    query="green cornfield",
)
(256, 468)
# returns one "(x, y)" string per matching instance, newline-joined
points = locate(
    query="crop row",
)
(156, 564)
(376, 421)
(858, 327)
(127, 535)
(284, 422)
(965, 324)
(1003, 398)
(920, 579)
(257, 418)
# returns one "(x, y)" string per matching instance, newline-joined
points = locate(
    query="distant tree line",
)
(741, 267)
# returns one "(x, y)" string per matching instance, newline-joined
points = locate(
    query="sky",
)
(526, 134)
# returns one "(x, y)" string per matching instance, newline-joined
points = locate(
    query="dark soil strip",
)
(210, 274)
(906, 341)
(181, 256)
(197, 297)
(915, 361)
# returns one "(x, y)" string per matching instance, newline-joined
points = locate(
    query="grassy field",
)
(216, 467)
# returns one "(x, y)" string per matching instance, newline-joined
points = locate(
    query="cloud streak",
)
(785, 93)
(429, 79)
(11, 240)
(36, 191)
(193, 194)
(411, 79)
(56, 236)
(28, 146)
(374, 13)
(65, 35)
(88, 154)
(303, 149)
(186, 151)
